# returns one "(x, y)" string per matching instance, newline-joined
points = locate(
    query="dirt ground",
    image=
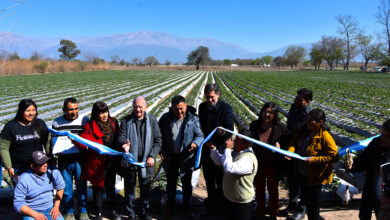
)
(329, 212)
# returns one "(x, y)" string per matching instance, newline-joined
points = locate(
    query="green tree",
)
(36, 56)
(267, 60)
(115, 59)
(151, 60)
(294, 55)
(68, 49)
(198, 57)
(167, 62)
(332, 49)
(14, 56)
(350, 30)
(227, 62)
(368, 49)
(316, 55)
(279, 61)
(383, 17)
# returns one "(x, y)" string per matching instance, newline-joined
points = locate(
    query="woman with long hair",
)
(22, 136)
(267, 128)
(315, 142)
(100, 169)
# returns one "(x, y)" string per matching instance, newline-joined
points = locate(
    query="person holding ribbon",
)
(22, 136)
(70, 164)
(181, 136)
(240, 167)
(369, 161)
(268, 129)
(140, 135)
(315, 142)
(101, 169)
(214, 113)
(296, 119)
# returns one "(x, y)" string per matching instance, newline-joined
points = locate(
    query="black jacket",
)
(296, 118)
(266, 158)
(369, 161)
(220, 115)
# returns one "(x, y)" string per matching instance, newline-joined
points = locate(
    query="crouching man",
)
(240, 167)
(33, 196)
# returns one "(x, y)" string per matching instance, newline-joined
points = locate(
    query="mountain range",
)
(163, 46)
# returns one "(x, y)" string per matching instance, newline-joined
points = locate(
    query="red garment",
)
(263, 177)
(93, 169)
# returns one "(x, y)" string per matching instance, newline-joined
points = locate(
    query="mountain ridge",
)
(162, 45)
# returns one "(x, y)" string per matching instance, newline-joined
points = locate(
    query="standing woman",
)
(22, 136)
(315, 142)
(100, 169)
(267, 128)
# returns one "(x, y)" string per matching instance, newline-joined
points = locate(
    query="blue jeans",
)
(46, 213)
(72, 170)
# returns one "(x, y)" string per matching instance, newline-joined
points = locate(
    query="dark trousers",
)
(293, 187)
(172, 175)
(312, 195)
(109, 182)
(266, 177)
(213, 175)
(130, 176)
(109, 187)
(369, 202)
(236, 211)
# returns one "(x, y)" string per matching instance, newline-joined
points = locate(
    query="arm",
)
(198, 134)
(55, 211)
(330, 149)
(216, 157)
(4, 152)
(157, 139)
(122, 134)
(228, 121)
(25, 210)
(242, 166)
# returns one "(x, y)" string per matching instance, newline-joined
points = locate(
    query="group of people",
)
(235, 171)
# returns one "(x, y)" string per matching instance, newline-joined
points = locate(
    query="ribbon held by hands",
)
(101, 149)
(260, 143)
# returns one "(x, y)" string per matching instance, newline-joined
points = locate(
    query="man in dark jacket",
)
(296, 118)
(181, 136)
(369, 161)
(214, 113)
(140, 135)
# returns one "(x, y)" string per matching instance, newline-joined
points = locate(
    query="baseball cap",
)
(39, 157)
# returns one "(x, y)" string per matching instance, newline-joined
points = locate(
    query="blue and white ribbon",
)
(101, 149)
(262, 144)
(357, 146)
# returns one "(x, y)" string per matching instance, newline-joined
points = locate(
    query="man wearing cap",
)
(33, 196)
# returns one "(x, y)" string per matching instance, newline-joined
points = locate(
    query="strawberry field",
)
(356, 103)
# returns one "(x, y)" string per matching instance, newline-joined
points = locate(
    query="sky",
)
(256, 25)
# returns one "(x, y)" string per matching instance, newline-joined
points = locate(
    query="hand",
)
(348, 162)
(11, 172)
(220, 132)
(210, 145)
(193, 147)
(309, 159)
(229, 143)
(39, 216)
(55, 213)
(150, 162)
(287, 158)
(126, 147)
(277, 145)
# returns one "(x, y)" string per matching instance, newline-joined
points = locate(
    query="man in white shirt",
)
(240, 167)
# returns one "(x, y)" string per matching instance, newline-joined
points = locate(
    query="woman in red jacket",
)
(100, 169)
